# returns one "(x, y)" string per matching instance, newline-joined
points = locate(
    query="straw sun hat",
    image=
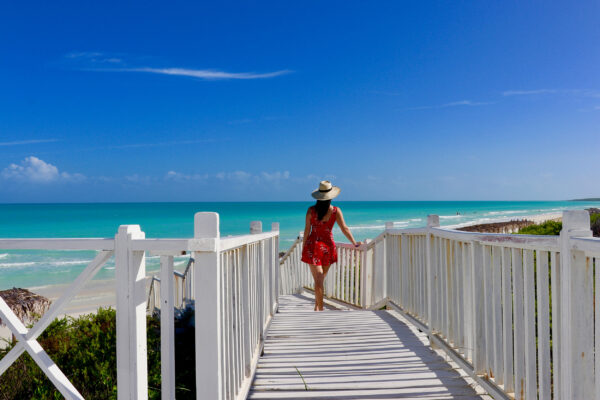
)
(326, 191)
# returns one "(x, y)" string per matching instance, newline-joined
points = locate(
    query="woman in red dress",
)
(318, 248)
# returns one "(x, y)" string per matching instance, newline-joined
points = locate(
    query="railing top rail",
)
(539, 242)
(232, 242)
(590, 246)
(413, 231)
(58, 244)
(152, 245)
(291, 249)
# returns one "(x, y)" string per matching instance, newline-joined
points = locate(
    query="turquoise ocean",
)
(33, 269)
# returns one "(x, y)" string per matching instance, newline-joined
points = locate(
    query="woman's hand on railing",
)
(357, 244)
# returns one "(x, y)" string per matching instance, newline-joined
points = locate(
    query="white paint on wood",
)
(519, 332)
(529, 325)
(209, 378)
(507, 320)
(41, 358)
(543, 325)
(130, 274)
(576, 223)
(167, 328)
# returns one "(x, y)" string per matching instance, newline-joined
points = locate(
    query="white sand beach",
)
(535, 218)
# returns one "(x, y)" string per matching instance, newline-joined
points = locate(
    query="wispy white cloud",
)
(275, 176)
(239, 176)
(527, 92)
(160, 144)
(35, 170)
(206, 74)
(93, 57)
(460, 103)
(102, 62)
(22, 142)
(574, 92)
(180, 177)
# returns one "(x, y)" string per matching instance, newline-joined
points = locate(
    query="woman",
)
(318, 247)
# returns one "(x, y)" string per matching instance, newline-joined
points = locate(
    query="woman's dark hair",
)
(321, 208)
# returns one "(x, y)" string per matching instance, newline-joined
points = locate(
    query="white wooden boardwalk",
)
(347, 354)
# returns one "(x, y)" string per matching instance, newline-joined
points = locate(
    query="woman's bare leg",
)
(318, 276)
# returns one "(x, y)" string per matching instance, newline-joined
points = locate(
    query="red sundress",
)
(320, 248)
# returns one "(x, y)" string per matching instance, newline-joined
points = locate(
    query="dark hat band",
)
(325, 191)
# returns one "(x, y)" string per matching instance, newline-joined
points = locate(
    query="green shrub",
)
(546, 228)
(554, 228)
(85, 350)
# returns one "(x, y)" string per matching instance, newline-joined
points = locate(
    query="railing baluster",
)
(479, 342)
(529, 317)
(507, 320)
(519, 336)
(497, 314)
(489, 324)
(167, 329)
(543, 325)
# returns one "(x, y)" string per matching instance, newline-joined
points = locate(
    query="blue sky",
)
(191, 101)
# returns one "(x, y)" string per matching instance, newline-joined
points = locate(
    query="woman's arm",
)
(339, 218)
(306, 228)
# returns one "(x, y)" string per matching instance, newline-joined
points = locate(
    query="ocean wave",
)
(3, 255)
(70, 262)
(366, 227)
(19, 264)
(451, 216)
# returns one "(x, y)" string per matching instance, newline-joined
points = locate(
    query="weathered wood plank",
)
(529, 325)
(507, 320)
(543, 325)
(519, 333)
(351, 354)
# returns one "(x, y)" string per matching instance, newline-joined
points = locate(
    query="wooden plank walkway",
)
(338, 354)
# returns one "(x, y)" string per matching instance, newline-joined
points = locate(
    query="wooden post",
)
(433, 221)
(256, 227)
(577, 353)
(209, 380)
(130, 274)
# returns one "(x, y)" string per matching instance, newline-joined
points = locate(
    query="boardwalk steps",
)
(351, 354)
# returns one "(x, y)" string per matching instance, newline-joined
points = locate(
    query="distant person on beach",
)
(318, 247)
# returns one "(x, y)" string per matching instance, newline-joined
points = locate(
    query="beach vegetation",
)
(84, 348)
(545, 228)
(554, 227)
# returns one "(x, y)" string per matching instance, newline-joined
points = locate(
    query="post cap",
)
(433, 221)
(255, 227)
(575, 220)
(134, 230)
(206, 225)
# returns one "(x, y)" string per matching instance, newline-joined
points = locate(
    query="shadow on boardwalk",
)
(351, 355)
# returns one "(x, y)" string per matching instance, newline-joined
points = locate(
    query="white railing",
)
(515, 311)
(183, 296)
(344, 279)
(235, 291)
